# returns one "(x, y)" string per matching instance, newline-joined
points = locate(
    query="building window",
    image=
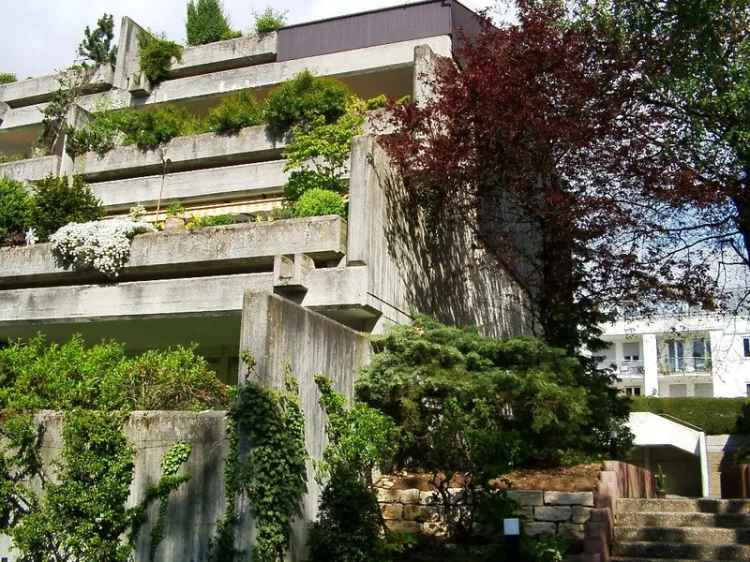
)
(634, 390)
(676, 352)
(746, 346)
(701, 354)
(747, 389)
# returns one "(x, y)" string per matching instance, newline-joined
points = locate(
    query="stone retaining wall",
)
(554, 513)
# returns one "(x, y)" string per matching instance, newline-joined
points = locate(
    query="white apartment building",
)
(676, 356)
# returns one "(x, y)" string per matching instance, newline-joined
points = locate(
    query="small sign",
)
(512, 527)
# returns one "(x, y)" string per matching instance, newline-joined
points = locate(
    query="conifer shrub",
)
(269, 20)
(15, 210)
(155, 55)
(97, 44)
(235, 112)
(302, 99)
(318, 202)
(57, 202)
(7, 77)
(148, 129)
(207, 23)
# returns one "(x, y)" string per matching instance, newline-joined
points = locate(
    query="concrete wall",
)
(721, 456)
(31, 169)
(196, 507)
(223, 55)
(414, 267)
(280, 333)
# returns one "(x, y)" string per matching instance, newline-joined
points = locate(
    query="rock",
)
(580, 514)
(533, 529)
(392, 511)
(569, 498)
(527, 497)
(552, 513)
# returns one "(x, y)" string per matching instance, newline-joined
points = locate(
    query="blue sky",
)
(38, 37)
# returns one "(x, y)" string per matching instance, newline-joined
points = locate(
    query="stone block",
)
(572, 531)
(526, 512)
(525, 498)
(428, 498)
(552, 513)
(434, 529)
(420, 513)
(569, 498)
(580, 514)
(404, 526)
(392, 511)
(400, 496)
(534, 529)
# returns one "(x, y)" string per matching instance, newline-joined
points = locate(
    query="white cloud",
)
(40, 36)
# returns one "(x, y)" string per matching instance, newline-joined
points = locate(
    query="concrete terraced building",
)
(302, 292)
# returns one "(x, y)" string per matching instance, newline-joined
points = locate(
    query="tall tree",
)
(542, 138)
(206, 22)
(97, 44)
(696, 56)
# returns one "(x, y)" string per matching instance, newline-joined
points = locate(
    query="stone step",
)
(621, 559)
(671, 520)
(683, 505)
(691, 535)
(682, 551)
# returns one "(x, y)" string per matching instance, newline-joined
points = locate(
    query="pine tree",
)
(206, 22)
(97, 45)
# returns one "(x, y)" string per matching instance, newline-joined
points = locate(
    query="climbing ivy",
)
(271, 472)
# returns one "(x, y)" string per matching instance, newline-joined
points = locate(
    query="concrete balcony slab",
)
(31, 169)
(224, 55)
(251, 144)
(212, 184)
(215, 250)
(341, 288)
(37, 90)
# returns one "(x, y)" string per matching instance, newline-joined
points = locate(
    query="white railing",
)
(685, 365)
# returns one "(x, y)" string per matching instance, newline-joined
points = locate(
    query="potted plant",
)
(661, 482)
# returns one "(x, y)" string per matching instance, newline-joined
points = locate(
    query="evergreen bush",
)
(302, 99)
(155, 55)
(235, 112)
(715, 416)
(320, 202)
(7, 77)
(15, 210)
(97, 45)
(149, 129)
(269, 20)
(57, 202)
(207, 23)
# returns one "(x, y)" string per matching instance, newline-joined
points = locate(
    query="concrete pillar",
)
(127, 53)
(4, 107)
(619, 356)
(721, 378)
(425, 69)
(650, 365)
(77, 118)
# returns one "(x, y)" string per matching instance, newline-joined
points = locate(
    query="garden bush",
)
(57, 202)
(207, 23)
(155, 56)
(5, 158)
(149, 129)
(15, 211)
(7, 77)
(319, 202)
(41, 375)
(235, 112)
(97, 45)
(206, 221)
(302, 99)
(715, 416)
(269, 20)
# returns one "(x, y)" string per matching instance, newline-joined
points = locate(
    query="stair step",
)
(682, 551)
(676, 519)
(673, 505)
(691, 535)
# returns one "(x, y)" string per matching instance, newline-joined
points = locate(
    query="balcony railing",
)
(629, 369)
(688, 365)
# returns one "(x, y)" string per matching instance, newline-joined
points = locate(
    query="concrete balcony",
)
(184, 153)
(38, 90)
(214, 250)
(213, 184)
(31, 169)
(225, 55)
(681, 366)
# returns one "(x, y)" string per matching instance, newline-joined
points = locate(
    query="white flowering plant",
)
(103, 246)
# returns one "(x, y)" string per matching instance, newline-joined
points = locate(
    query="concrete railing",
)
(226, 249)
(223, 55)
(31, 169)
(38, 90)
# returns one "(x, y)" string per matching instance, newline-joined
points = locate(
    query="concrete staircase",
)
(681, 530)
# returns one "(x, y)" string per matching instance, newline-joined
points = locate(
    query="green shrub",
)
(37, 374)
(97, 45)
(149, 129)
(56, 202)
(7, 77)
(207, 23)
(302, 181)
(715, 416)
(235, 112)
(378, 102)
(320, 202)
(5, 158)
(15, 210)
(155, 56)
(269, 20)
(216, 220)
(302, 99)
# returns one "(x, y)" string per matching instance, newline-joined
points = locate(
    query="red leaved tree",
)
(540, 141)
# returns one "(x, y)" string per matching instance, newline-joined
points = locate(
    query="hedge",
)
(716, 416)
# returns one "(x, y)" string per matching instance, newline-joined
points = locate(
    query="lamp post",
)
(512, 534)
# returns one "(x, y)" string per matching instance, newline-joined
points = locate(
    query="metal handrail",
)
(681, 422)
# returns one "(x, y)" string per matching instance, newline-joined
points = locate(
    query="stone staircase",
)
(681, 530)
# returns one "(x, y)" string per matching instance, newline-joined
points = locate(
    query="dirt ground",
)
(579, 478)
